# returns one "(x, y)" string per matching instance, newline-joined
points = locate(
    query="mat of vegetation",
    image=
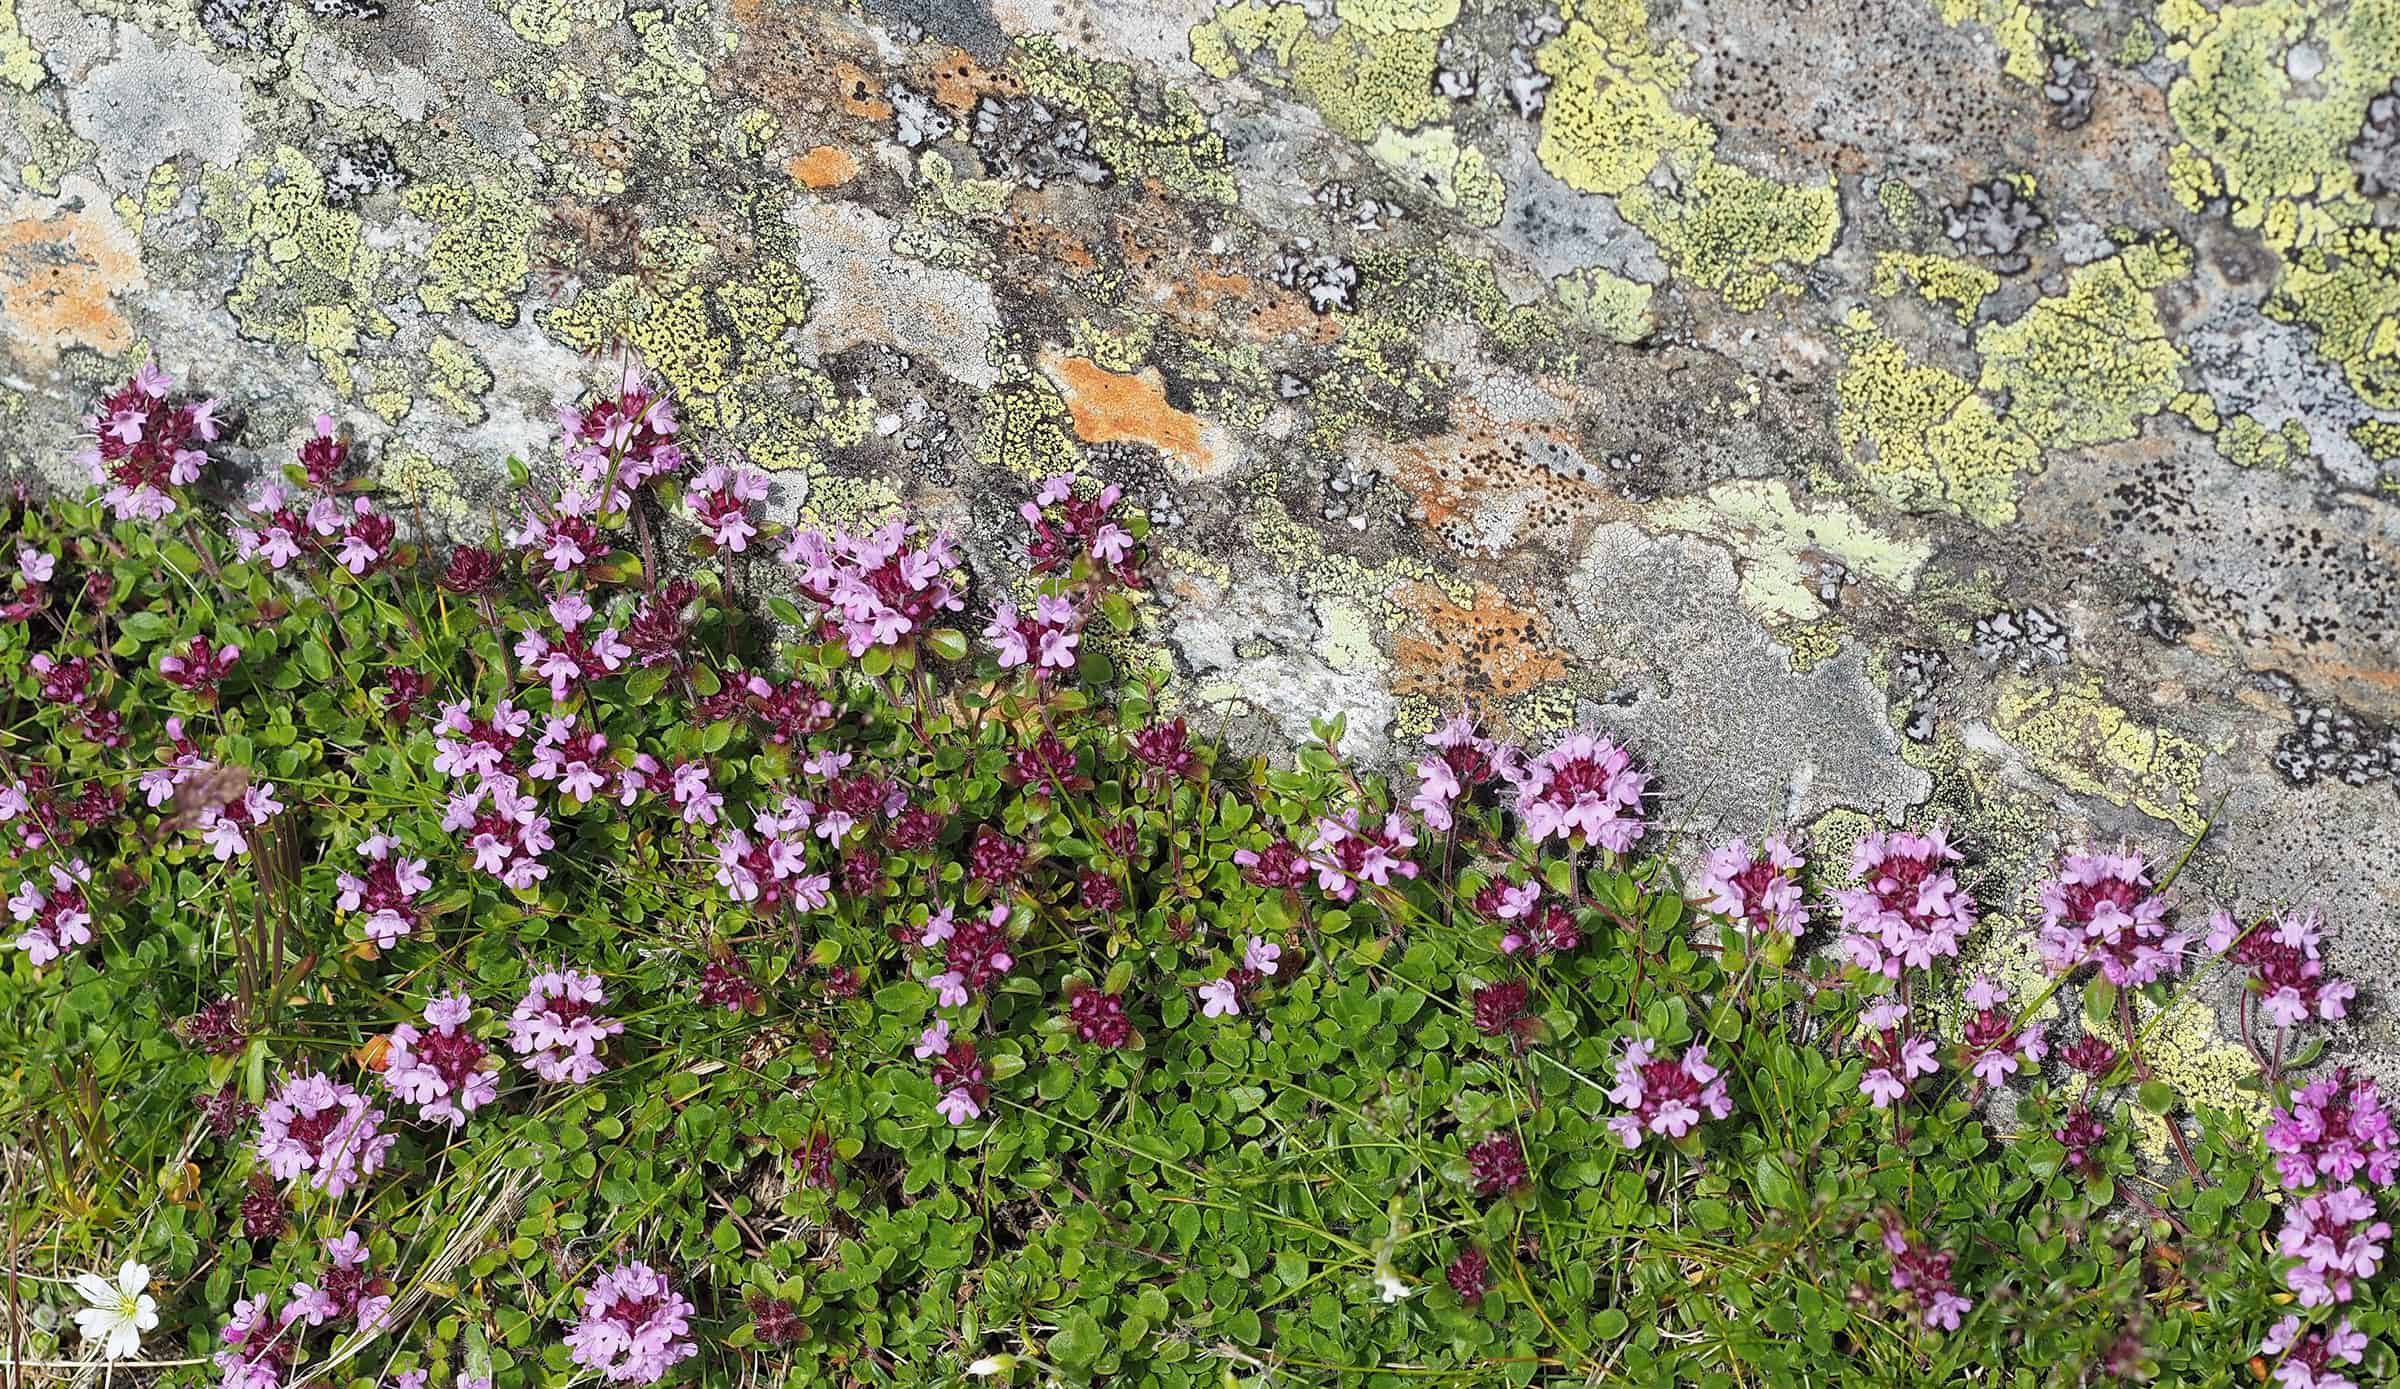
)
(659, 947)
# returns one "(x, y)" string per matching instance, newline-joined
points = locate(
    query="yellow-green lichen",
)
(2090, 365)
(1938, 280)
(1027, 429)
(457, 378)
(2014, 25)
(1904, 207)
(478, 260)
(1144, 132)
(1922, 436)
(1775, 542)
(1609, 120)
(1457, 174)
(2079, 738)
(1246, 28)
(2380, 438)
(1729, 230)
(2242, 440)
(20, 65)
(1392, 16)
(412, 481)
(1611, 305)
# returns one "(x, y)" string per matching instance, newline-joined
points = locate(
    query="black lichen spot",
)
(2375, 154)
(1331, 282)
(247, 26)
(916, 121)
(2070, 88)
(2025, 638)
(962, 22)
(1035, 143)
(2330, 740)
(1919, 670)
(346, 9)
(361, 169)
(1993, 221)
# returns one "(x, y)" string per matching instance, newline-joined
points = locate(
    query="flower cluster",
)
(959, 1077)
(1497, 1165)
(635, 1327)
(505, 830)
(720, 500)
(324, 1129)
(1222, 997)
(2100, 910)
(2286, 963)
(146, 443)
(388, 892)
(559, 1028)
(1922, 1277)
(622, 440)
(1757, 892)
(200, 667)
(571, 657)
(1464, 762)
(1347, 853)
(878, 589)
(1044, 638)
(1994, 1047)
(1533, 924)
(2306, 1356)
(1504, 1009)
(1584, 790)
(2334, 1129)
(1668, 1096)
(279, 527)
(1908, 908)
(1098, 1018)
(768, 865)
(441, 1069)
(976, 953)
(56, 920)
(2337, 1242)
(1894, 1058)
(1068, 528)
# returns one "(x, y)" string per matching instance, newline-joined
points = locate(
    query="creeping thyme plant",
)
(661, 946)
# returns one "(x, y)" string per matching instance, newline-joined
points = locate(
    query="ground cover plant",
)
(661, 948)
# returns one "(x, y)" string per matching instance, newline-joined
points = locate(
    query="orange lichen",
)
(960, 79)
(57, 278)
(1109, 406)
(1486, 649)
(860, 95)
(823, 167)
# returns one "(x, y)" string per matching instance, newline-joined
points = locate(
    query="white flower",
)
(992, 1365)
(119, 1313)
(1389, 1287)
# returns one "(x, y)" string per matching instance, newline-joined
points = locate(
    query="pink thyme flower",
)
(1759, 892)
(2100, 910)
(56, 920)
(1537, 927)
(976, 953)
(934, 1040)
(2287, 967)
(350, 1289)
(2337, 1239)
(772, 868)
(441, 1070)
(506, 832)
(1463, 763)
(878, 589)
(1098, 1018)
(1497, 1165)
(622, 440)
(1585, 789)
(635, 1326)
(567, 537)
(1281, 865)
(1220, 998)
(1667, 1096)
(1993, 1047)
(1045, 639)
(720, 500)
(1908, 908)
(257, 1354)
(2306, 1355)
(146, 444)
(959, 1077)
(1504, 1009)
(465, 746)
(1165, 747)
(1923, 1277)
(2081, 1134)
(2335, 1129)
(200, 666)
(387, 894)
(559, 1028)
(226, 828)
(323, 1128)
(1347, 854)
(1894, 1059)
(1066, 527)
(1470, 1275)
(691, 790)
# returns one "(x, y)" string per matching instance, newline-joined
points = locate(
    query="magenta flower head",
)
(1894, 1059)
(145, 444)
(1497, 1165)
(1758, 892)
(878, 589)
(635, 1326)
(2306, 1355)
(2335, 1130)
(1505, 1009)
(559, 1028)
(1908, 908)
(1584, 789)
(2338, 1242)
(1922, 1277)
(2284, 955)
(621, 441)
(1279, 865)
(387, 894)
(2100, 910)
(1470, 1275)
(1666, 1096)
(1098, 1018)
(55, 921)
(1347, 853)
(442, 1069)
(324, 1129)
(1993, 1046)
(256, 1353)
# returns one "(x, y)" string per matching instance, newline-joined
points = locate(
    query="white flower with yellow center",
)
(119, 1312)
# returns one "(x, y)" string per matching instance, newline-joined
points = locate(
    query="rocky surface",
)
(1978, 408)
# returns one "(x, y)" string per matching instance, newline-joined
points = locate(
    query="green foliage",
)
(1264, 1198)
